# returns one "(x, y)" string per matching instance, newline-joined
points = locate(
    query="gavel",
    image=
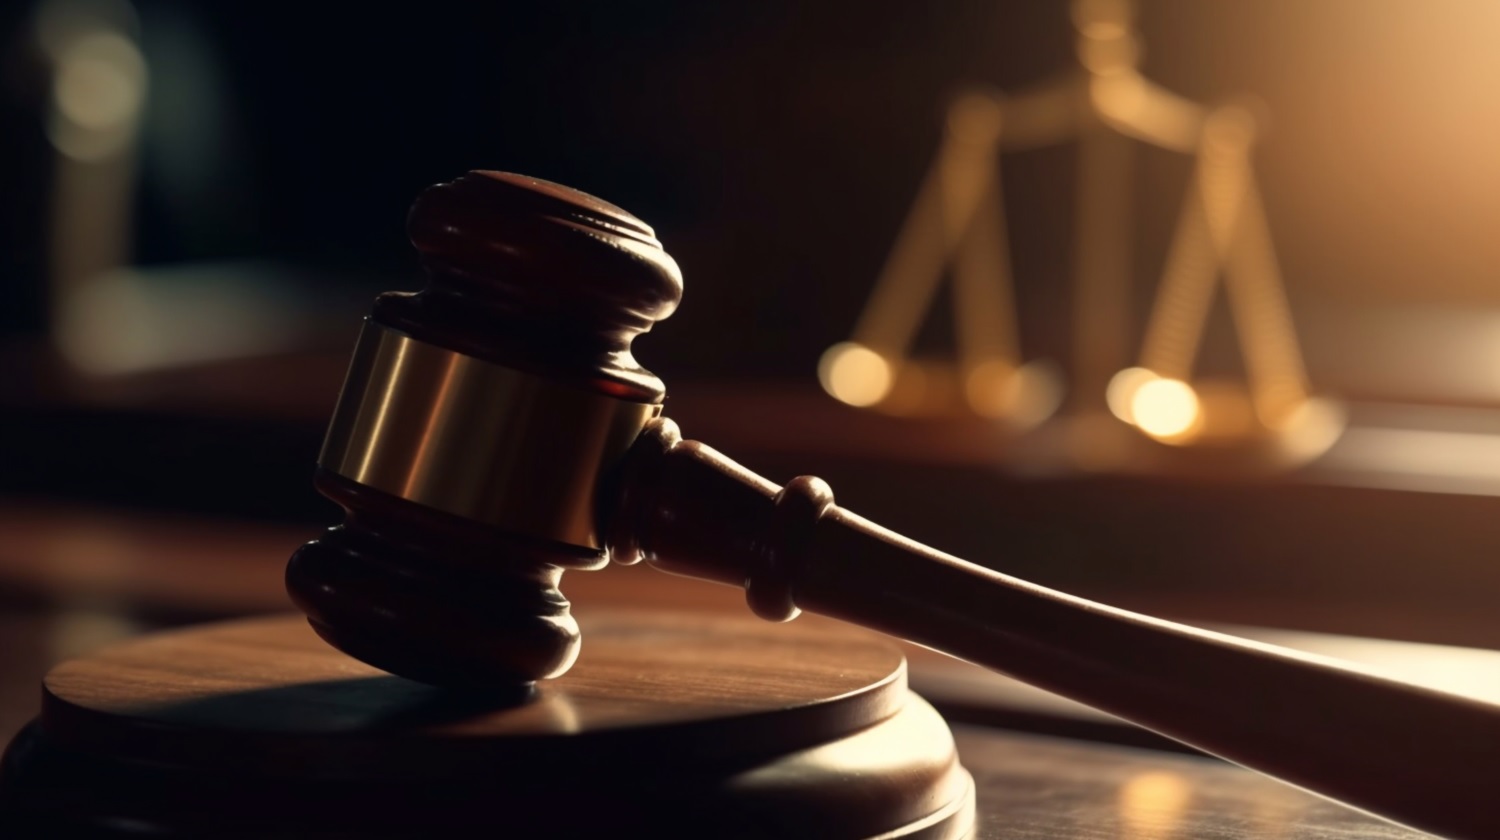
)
(494, 431)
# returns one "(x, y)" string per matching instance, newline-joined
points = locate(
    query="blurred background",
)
(198, 200)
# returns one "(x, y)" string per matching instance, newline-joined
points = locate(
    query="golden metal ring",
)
(477, 439)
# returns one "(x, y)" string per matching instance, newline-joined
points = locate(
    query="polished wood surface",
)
(671, 726)
(648, 679)
(1036, 788)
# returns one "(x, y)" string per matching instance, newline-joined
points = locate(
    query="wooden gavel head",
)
(479, 418)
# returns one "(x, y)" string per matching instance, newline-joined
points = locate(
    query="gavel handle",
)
(1424, 758)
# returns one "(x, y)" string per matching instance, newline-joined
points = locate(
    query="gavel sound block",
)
(495, 431)
(672, 726)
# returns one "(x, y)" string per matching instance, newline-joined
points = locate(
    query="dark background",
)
(776, 145)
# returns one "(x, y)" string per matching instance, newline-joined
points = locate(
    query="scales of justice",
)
(1117, 410)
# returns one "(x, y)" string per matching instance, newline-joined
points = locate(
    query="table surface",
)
(1030, 787)
(72, 581)
(1038, 788)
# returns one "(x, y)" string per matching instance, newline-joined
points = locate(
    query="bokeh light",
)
(854, 374)
(1122, 390)
(1165, 408)
(1152, 804)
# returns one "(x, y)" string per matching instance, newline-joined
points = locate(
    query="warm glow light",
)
(1152, 804)
(1022, 396)
(1122, 97)
(1310, 429)
(992, 388)
(1120, 394)
(1165, 408)
(853, 373)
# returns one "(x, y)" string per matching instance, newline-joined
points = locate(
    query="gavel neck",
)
(687, 509)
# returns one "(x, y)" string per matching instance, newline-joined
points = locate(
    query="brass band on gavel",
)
(476, 439)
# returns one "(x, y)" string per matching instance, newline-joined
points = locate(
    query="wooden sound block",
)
(669, 725)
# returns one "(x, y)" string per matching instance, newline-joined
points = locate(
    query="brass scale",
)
(957, 226)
